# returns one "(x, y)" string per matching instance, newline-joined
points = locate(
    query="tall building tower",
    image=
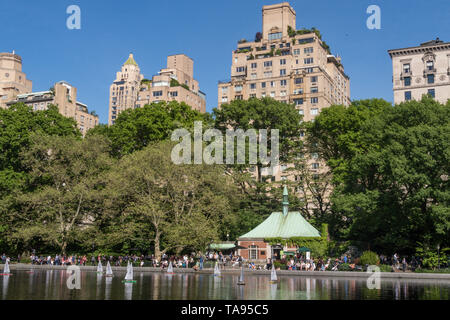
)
(420, 70)
(288, 65)
(124, 90)
(291, 66)
(175, 83)
(12, 80)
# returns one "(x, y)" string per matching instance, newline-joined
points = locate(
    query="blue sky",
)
(207, 31)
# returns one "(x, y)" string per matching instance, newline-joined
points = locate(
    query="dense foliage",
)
(390, 170)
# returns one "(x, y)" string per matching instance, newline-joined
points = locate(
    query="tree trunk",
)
(157, 246)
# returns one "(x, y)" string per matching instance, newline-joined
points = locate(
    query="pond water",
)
(51, 285)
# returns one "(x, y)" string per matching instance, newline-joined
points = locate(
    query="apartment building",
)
(64, 96)
(124, 90)
(288, 65)
(291, 66)
(176, 82)
(420, 70)
(13, 81)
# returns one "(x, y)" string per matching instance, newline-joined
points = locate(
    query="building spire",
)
(285, 201)
(130, 60)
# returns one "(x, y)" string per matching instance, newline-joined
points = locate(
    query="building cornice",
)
(419, 49)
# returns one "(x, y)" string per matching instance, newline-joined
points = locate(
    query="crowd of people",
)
(197, 261)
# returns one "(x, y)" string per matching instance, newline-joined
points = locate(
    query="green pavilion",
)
(282, 233)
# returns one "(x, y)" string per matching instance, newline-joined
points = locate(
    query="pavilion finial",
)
(285, 201)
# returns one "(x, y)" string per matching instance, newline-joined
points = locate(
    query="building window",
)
(309, 70)
(268, 74)
(308, 60)
(224, 90)
(254, 65)
(407, 95)
(314, 89)
(302, 112)
(157, 93)
(296, 52)
(298, 80)
(253, 252)
(282, 61)
(267, 63)
(314, 79)
(263, 84)
(252, 86)
(240, 69)
(174, 94)
(272, 94)
(272, 84)
(283, 93)
(237, 88)
(431, 92)
(314, 100)
(224, 99)
(314, 111)
(238, 97)
(253, 76)
(282, 72)
(406, 68)
(308, 50)
(298, 101)
(315, 166)
(430, 65)
(275, 36)
(407, 81)
(430, 78)
(283, 83)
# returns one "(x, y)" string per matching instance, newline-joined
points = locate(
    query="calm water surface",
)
(51, 285)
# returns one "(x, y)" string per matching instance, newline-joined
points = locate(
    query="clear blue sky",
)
(207, 31)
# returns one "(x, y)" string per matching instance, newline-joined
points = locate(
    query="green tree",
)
(134, 129)
(392, 167)
(265, 113)
(178, 206)
(63, 201)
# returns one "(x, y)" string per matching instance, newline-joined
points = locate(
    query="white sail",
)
(6, 268)
(99, 267)
(108, 269)
(129, 275)
(216, 270)
(273, 274)
(170, 268)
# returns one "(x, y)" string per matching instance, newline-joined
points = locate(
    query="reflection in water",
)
(5, 286)
(128, 291)
(99, 286)
(108, 283)
(273, 290)
(47, 284)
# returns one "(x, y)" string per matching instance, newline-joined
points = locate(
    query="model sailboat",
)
(99, 267)
(109, 272)
(217, 271)
(273, 275)
(170, 268)
(241, 281)
(129, 275)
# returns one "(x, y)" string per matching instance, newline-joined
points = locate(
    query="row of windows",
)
(300, 101)
(407, 80)
(429, 66)
(408, 95)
